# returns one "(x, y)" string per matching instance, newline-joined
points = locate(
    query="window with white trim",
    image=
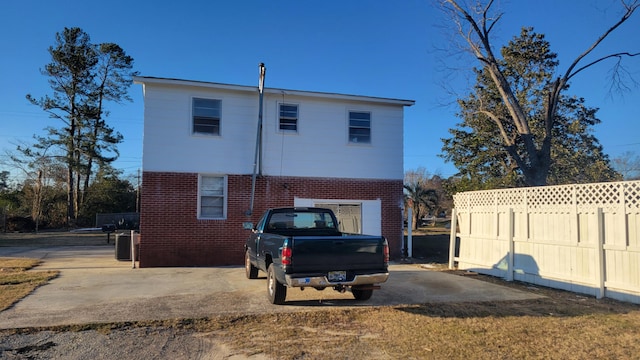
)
(206, 115)
(212, 197)
(288, 118)
(359, 127)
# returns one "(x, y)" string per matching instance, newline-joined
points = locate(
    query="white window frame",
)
(193, 116)
(350, 138)
(279, 117)
(224, 196)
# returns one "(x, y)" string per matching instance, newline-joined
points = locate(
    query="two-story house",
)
(207, 167)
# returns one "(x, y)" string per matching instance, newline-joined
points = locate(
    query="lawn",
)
(17, 280)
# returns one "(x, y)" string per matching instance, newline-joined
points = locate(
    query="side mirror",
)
(247, 225)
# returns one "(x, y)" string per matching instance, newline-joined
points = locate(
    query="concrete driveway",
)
(93, 287)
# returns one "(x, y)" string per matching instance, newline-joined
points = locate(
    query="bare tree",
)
(628, 164)
(474, 24)
(38, 169)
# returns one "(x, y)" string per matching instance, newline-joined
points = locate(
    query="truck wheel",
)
(250, 270)
(361, 295)
(275, 290)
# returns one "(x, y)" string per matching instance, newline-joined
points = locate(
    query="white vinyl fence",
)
(582, 238)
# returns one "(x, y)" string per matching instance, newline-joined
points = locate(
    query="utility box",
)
(123, 245)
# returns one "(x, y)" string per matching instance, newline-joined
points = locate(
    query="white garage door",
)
(349, 216)
(355, 216)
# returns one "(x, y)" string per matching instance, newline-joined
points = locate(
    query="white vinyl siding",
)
(319, 148)
(206, 116)
(212, 197)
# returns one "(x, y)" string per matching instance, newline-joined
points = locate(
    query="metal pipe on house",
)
(257, 160)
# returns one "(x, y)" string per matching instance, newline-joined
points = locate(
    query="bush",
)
(20, 224)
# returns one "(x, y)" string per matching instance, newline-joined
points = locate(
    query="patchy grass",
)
(436, 331)
(562, 325)
(17, 282)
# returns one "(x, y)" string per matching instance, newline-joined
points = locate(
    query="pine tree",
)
(83, 77)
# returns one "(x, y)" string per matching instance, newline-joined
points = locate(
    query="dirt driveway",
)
(93, 288)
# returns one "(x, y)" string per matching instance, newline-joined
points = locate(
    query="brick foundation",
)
(172, 235)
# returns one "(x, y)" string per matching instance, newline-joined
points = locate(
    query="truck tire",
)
(275, 290)
(250, 270)
(361, 295)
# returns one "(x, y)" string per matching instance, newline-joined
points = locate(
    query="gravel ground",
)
(132, 343)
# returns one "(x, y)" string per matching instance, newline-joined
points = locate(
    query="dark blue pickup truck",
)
(303, 247)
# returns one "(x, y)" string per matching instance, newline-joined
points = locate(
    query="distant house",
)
(200, 148)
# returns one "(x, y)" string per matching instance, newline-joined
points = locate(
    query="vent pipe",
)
(257, 160)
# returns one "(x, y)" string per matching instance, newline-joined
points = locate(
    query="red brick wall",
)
(172, 235)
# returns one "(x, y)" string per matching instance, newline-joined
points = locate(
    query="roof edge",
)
(171, 81)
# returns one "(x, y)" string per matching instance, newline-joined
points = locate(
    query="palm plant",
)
(421, 199)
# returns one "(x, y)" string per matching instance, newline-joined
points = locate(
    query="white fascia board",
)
(370, 99)
(165, 81)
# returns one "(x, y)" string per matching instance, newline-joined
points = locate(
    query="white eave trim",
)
(371, 99)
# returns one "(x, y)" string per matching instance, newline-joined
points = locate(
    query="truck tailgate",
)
(331, 253)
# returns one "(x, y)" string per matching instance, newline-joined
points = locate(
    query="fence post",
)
(133, 250)
(575, 217)
(452, 238)
(600, 265)
(409, 249)
(510, 255)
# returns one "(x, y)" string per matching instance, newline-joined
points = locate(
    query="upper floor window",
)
(359, 127)
(212, 197)
(288, 117)
(206, 116)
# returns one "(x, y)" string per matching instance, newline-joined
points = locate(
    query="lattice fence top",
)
(623, 196)
(632, 194)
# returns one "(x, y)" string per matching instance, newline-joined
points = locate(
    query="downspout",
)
(257, 160)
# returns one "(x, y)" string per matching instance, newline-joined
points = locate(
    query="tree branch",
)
(617, 55)
(630, 8)
(508, 141)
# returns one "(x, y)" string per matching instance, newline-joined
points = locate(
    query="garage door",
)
(355, 215)
(349, 216)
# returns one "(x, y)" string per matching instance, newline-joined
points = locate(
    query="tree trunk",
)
(70, 166)
(76, 202)
(70, 208)
(416, 218)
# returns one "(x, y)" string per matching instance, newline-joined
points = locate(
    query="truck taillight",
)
(385, 251)
(286, 254)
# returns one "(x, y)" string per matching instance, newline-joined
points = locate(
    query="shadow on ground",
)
(430, 248)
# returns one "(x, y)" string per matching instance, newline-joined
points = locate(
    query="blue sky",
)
(397, 49)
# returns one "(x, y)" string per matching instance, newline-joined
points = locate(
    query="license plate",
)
(335, 276)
